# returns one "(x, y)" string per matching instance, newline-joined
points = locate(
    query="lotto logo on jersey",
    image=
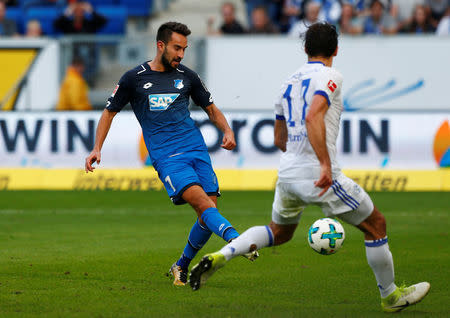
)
(332, 86)
(160, 102)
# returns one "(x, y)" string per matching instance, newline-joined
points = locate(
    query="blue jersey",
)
(160, 102)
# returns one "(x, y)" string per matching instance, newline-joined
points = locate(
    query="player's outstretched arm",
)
(219, 120)
(315, 125)
(102, 131)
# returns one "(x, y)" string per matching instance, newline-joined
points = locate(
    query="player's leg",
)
(348, 201)
(200, 197)
(380, 259)
(177, 175)
(208, 180)
(207, 211)
(366, 217)
(258, 237)
(198, 236)
(286, 214)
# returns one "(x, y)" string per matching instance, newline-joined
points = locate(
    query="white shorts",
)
(345, 199)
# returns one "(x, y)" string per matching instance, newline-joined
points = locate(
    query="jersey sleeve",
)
(121, 94)
(279, 111)
(328, 84)
(199, 93)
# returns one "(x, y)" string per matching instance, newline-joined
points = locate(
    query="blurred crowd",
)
(77, 17)
(291, 17)
(354, 17)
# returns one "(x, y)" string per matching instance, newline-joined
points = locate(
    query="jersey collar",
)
(148, 68)
(316, 62)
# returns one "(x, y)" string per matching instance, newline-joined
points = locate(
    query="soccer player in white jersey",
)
(308, 113)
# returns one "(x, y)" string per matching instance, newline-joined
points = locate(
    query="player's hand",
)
(325, 180)
(95, 156)
(228, 141)
(281, 145)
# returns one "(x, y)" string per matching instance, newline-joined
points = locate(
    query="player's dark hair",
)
(321, 39)
(165, 31)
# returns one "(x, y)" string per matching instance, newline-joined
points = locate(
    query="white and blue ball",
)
(326, 236)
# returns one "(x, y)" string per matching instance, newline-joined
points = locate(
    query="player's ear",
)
(336, 51)
(160, 45)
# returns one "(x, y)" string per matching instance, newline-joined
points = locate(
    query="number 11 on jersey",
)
(287, 96)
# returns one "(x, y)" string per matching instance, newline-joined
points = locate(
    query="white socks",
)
(255, 237)
(380, 260)
(378, 254)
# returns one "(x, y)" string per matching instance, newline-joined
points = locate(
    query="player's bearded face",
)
(173, 51)
(169, 61)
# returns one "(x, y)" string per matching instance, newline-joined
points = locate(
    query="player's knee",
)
(202, 205)
(281, 235)
(377, 221)
(199, 200)
(374, 227)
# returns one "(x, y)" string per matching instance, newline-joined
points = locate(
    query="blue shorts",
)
(184, 170)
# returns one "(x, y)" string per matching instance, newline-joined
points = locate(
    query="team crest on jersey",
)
(178, 83)
(159, 102)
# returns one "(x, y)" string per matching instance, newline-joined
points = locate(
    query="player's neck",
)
(157, 65)
(326, 61)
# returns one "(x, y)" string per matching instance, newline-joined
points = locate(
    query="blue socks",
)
(218, 224)
(198, 236)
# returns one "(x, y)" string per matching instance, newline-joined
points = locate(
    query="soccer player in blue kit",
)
(159, 91)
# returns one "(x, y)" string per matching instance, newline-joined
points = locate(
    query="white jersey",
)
(314, 78)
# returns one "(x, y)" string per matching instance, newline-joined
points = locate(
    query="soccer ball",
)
(326, 236)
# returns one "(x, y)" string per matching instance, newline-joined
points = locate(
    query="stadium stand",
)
(16, 15)
(117, 11)
(96, 3)
(138, 8)
(46, 16)
(117, 19)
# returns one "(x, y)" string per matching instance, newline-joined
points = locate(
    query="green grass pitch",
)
(105, 254)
